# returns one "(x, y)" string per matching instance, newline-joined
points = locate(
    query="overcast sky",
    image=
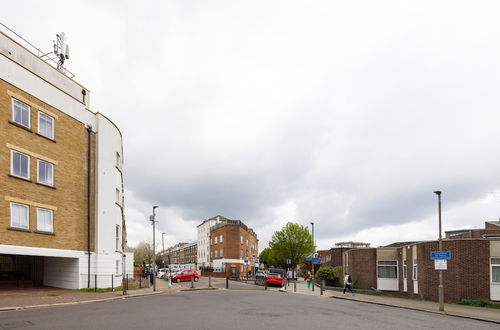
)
(345, 113)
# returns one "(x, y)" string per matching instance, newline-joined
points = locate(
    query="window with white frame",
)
(220, 238)
(19, 215)
(405, 269)
(21, 113)
(221, 253)
(45, 173)
(215, 240)
(241, 239)
(45, 125)
(415, 268)
(44, 220)
(387, 269)
(20, 164)
(117, 237)
(495, 270)
(216, 253)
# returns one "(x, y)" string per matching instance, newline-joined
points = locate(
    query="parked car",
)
(161, 273)
(275, 279)
(278, 271)
(186, 275)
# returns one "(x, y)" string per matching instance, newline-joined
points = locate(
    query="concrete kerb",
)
(416, 309)
(16, 308)
(484, 319)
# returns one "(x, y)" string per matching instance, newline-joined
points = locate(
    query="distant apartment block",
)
(203, 233)
(61, 186)
(181, 255)
(234, 248)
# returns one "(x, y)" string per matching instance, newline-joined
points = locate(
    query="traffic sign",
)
(441, 255)
(317, 262)
(440, 264)
(313, 259)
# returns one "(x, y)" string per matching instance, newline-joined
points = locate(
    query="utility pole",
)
(152, 219)
(441, 287)
(314, 252)
(163, 248)
(209, 260)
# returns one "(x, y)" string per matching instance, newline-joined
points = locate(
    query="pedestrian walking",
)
(169, 280)
(308, 280)
(347, 283)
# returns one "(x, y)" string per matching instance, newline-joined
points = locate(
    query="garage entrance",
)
(18, 271)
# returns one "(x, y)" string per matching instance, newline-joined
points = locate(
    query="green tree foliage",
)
(143, 253)
(265, 257)
(329, 273)
(293, 242)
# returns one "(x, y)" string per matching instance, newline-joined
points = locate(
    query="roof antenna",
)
(61, 50)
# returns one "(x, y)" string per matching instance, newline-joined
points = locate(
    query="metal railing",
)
(35, 50)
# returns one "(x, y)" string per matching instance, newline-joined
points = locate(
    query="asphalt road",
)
(232, 309)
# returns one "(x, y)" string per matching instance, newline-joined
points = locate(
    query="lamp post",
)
(163, 248)
(209, 260)
(441, 288)
(314, 252)
(152, 219)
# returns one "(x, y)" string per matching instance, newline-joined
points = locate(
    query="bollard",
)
(192, 282)
(295, 286)
(209, 280)
(322, 286)
(126, 284)
(227, 282)
(95, 283)
(265, 285)
(112, 283)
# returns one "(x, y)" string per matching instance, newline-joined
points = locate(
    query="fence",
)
(102, 281)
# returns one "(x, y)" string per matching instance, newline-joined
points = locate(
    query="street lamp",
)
(163, 247)
(441, 288)
(152, 219)
(314, 252)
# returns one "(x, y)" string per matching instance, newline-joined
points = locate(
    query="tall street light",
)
(163, 248)
(314, 252)
(152, 219)
(441, 288)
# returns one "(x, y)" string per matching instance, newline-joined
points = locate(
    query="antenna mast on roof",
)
(61, 50)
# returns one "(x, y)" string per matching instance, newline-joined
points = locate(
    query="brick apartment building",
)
(473, 272)
(181, 255)
(61, 190)
(234, 248)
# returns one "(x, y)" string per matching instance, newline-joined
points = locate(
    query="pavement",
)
(471, 312)
(46, 297)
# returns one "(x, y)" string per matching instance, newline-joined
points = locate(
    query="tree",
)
(293, 242)
(265, 257)
(143, 253)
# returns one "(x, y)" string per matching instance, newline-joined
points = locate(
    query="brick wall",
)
(467, 276)
(69, 195)
(362, 265)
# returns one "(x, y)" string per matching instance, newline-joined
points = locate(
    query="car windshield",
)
(274, 275)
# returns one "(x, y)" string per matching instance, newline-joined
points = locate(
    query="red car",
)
(186, 275)
(275, 279)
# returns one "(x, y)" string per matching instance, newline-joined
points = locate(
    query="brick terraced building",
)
(61, 186)
(234, 248)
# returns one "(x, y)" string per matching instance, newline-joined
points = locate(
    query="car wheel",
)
(196, 279)
(178, 280)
